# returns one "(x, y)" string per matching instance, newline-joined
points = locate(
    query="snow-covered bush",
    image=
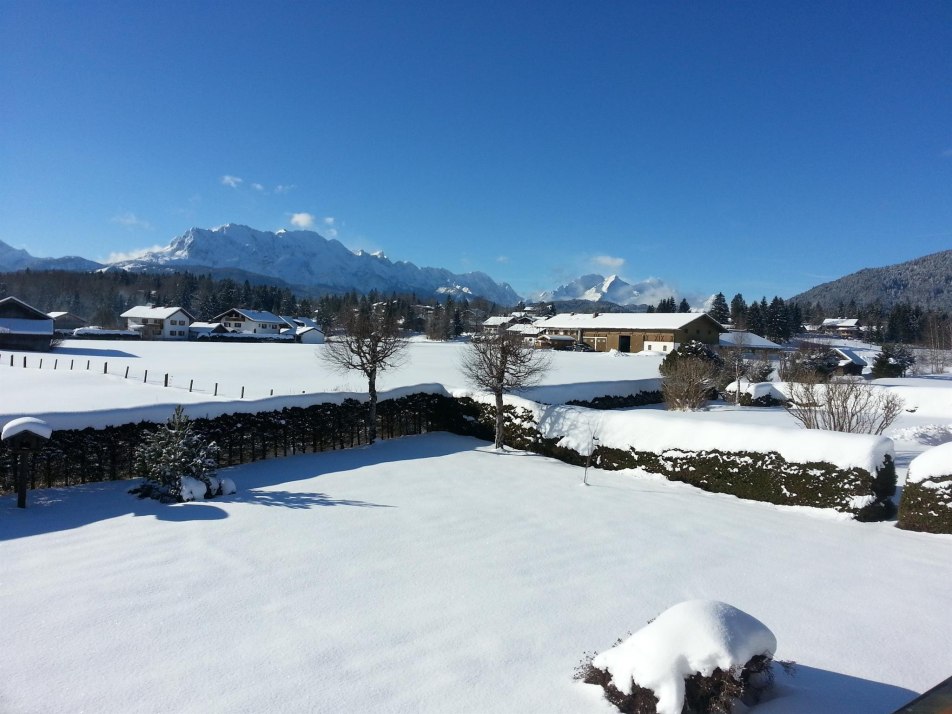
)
(926, 503)
(697, 657)
(173, 453)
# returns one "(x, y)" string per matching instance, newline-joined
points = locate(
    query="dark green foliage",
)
(761, 477)
(690, 350)
(892, 361)
(640, 399)
(73, 456)
(719, 310)
(767, 400)
(173, 451)
(927, 509)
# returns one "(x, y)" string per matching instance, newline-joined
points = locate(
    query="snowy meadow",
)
(427, 574)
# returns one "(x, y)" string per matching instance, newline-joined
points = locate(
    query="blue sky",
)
(760, 147)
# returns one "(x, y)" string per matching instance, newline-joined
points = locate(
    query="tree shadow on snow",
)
(289, 499)
(810, 689)
(59, 509)
(272, 472)
(90, 352)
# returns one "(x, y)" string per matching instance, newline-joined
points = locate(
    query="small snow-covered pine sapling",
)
(172, 452)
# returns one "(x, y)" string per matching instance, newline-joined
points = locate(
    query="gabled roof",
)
(253, 315)
(849, 355)
(14, 307)
(840, 322)
(153, 313)
(747, 340)
(497, 321)
(625, 321)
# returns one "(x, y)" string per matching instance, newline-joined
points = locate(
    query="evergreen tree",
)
(719, 310)
(756, 319)
(683, 306)
(173, 451)
(739, 312)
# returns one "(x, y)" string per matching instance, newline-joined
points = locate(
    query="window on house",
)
(664, 348)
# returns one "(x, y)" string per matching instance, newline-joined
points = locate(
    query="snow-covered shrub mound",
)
(697, 656)
(927, 497)
(228, 487)
(192, 489)
(757, 394)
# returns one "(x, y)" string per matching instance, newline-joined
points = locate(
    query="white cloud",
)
(132, 254)
(131, 220)
(257, 187)
(232, 181)
(608, 261)
(302, 220)
(329, 220)
(283, 188)
(502, 259)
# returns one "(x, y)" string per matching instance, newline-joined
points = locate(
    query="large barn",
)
(634, 331)
(23, 327)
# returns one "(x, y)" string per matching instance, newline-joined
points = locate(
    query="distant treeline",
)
(100, 298)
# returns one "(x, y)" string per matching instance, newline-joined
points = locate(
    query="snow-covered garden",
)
(429, 573)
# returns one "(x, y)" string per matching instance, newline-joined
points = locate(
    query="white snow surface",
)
(272, 376)
(690, 637)
(23, 424)
(192, 489)
(660, 431)
(931, 464)
(432, 574)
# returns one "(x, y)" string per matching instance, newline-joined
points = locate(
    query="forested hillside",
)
(925, 281)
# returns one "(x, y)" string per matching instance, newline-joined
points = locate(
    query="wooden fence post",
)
(190, 384)
(216, 389)
(145, 377)
(105, 368)
(242, 392)
(127, 372)
(166, 379)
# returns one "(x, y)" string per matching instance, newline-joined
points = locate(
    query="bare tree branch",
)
(500, 363)
(370, 343)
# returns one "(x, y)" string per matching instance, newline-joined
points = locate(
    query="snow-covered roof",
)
(747, 340)
(524, 329)
(623, 320)
(840, 322)
(152, 313)
(497, 321)
(253, 315)
(849, 355)
(54, 315)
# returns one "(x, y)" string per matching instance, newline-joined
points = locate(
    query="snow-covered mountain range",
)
(303, 259)
(13, 259)
(611, 289)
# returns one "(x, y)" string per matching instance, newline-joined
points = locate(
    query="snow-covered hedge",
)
(926, 503)
(851, 473)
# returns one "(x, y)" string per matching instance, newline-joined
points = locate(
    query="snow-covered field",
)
(427, 574)
(271, 376)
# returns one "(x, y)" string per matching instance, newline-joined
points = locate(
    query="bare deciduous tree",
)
(500, 363)
(688, 383)
(848, 404)
(370, 343)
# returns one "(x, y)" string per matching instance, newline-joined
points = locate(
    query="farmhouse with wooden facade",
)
(253, 322)
(634, 331)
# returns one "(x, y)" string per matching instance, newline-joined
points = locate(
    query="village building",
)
(751, 345)
(304, 330)
(66, 321)
(23, 327)
(251, 322)
(634, 331)
(842, 326)
(158, 323)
